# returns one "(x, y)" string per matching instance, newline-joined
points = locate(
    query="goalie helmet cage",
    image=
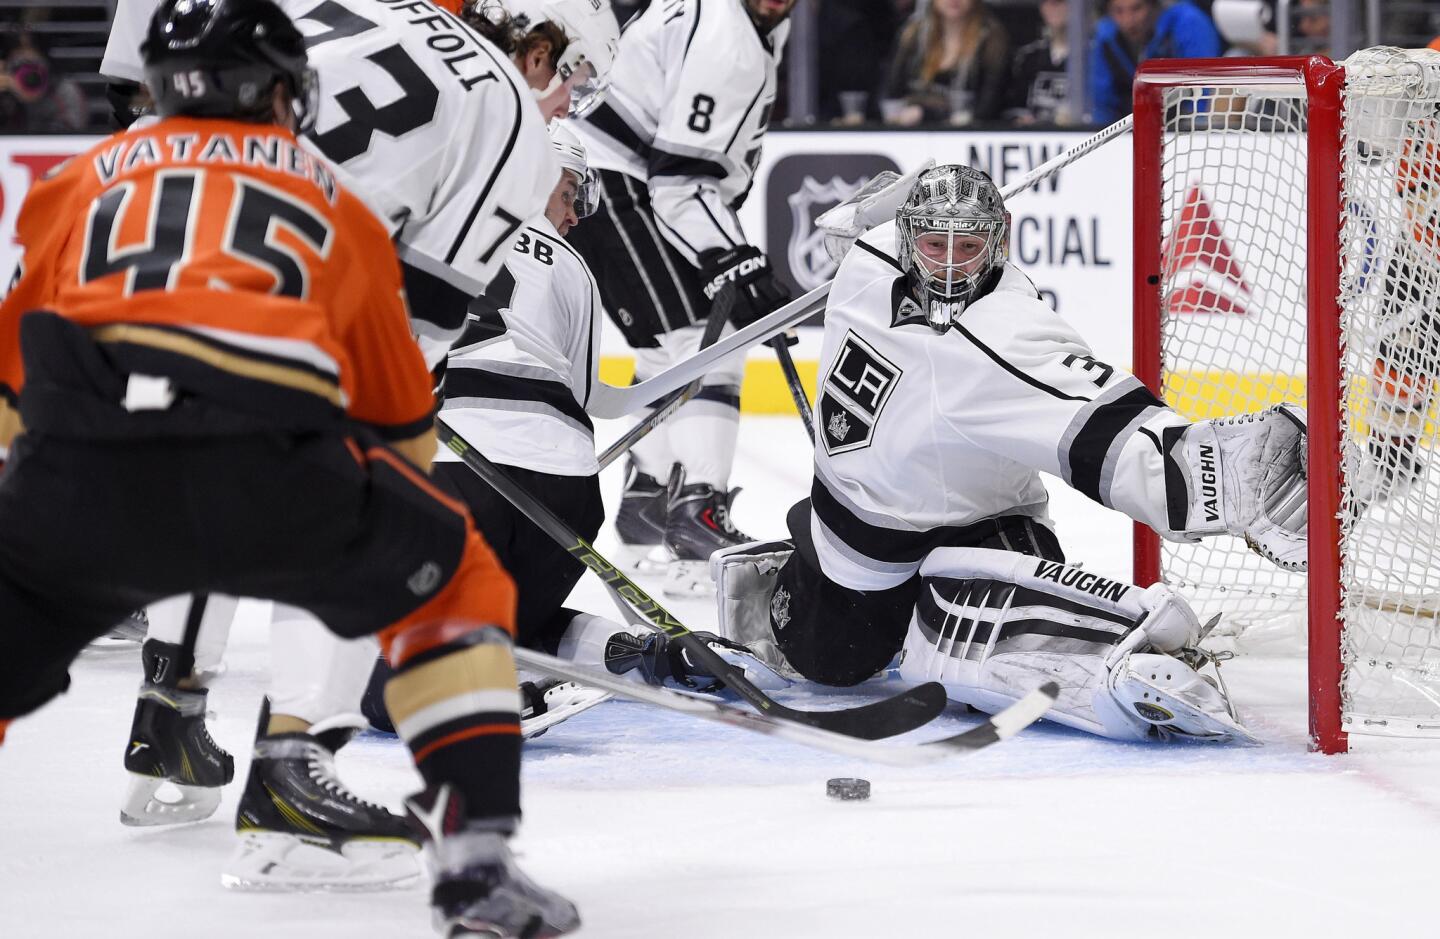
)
(1235, 159)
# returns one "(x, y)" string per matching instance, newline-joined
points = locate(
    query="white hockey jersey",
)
(427, 122)
(921, 434)
(520, 398)
(686, 113)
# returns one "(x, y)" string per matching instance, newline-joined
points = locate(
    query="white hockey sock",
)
(314, 674)
(703, 435)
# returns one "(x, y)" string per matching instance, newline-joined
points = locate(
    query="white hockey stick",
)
(610, 401)
(1002, 726)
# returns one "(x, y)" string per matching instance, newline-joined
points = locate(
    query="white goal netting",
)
(1236, 194)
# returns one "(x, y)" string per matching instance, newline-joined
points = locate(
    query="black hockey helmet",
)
(222, 58)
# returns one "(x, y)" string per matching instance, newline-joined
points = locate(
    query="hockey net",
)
(1287, 233)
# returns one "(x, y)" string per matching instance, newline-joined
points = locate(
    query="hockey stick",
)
(895, 715)
(797, 388)
(610, 401)
(1052, 166)
(719, 316)
(996, 728)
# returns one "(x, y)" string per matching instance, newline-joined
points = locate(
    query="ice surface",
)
(660, 826)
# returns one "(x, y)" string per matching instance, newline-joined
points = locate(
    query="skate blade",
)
(650, 559)
(688, 580)
(151, 801)
(582, 699)
(279, 863)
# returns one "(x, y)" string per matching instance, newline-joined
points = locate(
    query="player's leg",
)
(702, 436)
(176, 768)
(993, 624)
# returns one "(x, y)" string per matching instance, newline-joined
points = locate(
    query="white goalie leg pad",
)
(993, 625)
(1246, 475)
(745, 578)
(314, 674)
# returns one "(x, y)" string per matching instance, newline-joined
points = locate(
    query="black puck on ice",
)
(848, 789)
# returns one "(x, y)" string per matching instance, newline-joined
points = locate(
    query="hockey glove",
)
(874, 203)
(1246, 475)
(758, 292)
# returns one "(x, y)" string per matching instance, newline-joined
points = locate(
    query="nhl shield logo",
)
(810, 264)
(795, 195)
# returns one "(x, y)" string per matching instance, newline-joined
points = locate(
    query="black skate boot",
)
(697, 524)
(549, 701)
(301, 829)
(640, 523)
(479, 890)
(176, 769)
(662, 661)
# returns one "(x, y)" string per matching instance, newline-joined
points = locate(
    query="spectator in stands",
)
(951, 64)
(1133, 31)
(1040, 81)
(35, 100)
(1312, 27)
(855, 37)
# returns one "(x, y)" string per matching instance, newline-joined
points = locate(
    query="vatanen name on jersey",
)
(267, 151)
(1081, 579)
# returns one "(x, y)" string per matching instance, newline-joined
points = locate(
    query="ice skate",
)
(176, 769)
(479, 890)
(124, 635)
(549, 701)
(697, 524)
(300, 828)
(640, 523)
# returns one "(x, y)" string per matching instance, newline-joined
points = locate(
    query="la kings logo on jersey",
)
(854, 394)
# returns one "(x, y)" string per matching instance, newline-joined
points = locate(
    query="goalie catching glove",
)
(1245, 475)
(758, 292)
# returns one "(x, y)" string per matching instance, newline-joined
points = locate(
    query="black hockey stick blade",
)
(898, 714)
(995, 729)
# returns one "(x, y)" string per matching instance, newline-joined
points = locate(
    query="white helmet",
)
(573, 160)
(952, 202)
(594, 41)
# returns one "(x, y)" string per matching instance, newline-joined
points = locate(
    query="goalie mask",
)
(573, 161)
(954, 240)
(584, 65)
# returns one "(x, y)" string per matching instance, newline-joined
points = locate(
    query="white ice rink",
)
(658, 826)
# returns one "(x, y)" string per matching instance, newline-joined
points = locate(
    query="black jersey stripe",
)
(433, 299)
(608, 121)
(996, 358)
(748, 108)
(475, 381)
(878, 253)
(1102, 431)
(694, 26)
(892, 546)
(664, 163)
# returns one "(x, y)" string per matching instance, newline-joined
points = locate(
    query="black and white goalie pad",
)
(990, 625)
(1243, 475)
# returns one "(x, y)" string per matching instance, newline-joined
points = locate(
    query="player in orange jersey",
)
(220, 392)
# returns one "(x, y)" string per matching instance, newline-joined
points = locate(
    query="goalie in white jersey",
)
(676, 143)
(947, 387)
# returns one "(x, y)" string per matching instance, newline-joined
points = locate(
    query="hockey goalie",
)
(947, 387)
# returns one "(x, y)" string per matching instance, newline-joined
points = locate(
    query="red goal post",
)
(1235, 159)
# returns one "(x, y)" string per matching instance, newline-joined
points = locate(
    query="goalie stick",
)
(781, 345)
(719, 316)
(903, 712)
(995, 728)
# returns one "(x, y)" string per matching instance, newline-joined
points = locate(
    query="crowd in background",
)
(900, 63)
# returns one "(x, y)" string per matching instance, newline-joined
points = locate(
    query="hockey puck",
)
(848, 789)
